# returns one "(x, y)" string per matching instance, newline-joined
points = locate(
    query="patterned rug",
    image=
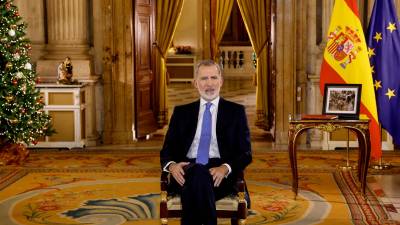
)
(361, 208)
(109, 187)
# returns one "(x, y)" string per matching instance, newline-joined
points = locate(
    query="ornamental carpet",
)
(107, 187)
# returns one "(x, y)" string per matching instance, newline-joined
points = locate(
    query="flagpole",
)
(381, 165)
(347, 166)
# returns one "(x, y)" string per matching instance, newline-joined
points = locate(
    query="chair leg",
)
(164, 221)
(234, 221)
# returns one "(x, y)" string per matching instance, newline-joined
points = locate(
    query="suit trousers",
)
(198, 194)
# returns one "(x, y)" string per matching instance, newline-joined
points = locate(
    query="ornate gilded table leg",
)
(293, 133)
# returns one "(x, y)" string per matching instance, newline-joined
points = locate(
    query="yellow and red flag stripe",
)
(346, 61)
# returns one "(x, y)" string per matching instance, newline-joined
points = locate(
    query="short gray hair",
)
(207, 62)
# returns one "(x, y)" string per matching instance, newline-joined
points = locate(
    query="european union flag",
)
(384, 53)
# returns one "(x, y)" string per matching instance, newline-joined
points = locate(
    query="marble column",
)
(314, 97)
(286, 37)
(67, 24)
(67, 35)
(117, 76)
(397, 3)
(314, 54)
(371, 5)
(301, 59)
(92, 136)
(68, 32)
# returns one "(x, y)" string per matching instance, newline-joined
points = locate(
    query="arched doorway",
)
(237, 87)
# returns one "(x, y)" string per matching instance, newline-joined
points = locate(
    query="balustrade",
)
(237, 61)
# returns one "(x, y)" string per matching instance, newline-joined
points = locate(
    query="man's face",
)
(208, 82)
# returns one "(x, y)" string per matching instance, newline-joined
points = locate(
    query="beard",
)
(209, 94)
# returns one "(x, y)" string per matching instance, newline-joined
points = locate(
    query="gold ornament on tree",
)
(9, 98)
(13, 121)
(9, 65)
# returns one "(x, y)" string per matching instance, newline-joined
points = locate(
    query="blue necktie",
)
(205, 137)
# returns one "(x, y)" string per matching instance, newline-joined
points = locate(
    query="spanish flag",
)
(346, 61)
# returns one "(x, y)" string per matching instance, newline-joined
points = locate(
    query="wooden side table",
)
(67, 106)
(359, 127)
(181, 67)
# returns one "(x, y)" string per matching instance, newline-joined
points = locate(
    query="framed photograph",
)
(342, 100)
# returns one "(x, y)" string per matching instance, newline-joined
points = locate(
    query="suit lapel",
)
(220, 114)
(192, 122)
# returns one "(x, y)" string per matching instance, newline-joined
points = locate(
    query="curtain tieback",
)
(262, 47)
(155, 44)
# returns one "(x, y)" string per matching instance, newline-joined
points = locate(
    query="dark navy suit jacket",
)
(233, 135)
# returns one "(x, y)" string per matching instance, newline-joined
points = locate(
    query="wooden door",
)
(144, 33)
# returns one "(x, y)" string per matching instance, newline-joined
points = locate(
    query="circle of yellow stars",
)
(371, 52)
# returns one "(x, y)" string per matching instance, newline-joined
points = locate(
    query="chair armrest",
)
(164, 180)
(241, 187)
(240, 181)
(163, 196)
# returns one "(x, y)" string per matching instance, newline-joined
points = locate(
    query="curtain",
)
(168, 13)
(220, 13)
(255, 15)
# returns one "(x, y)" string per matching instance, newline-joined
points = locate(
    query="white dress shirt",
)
(214, 151)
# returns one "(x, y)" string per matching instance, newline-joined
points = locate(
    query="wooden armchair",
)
(234, 207)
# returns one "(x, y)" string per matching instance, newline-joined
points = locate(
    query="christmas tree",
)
(22, 118)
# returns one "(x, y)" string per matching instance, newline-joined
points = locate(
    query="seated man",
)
(207, 143)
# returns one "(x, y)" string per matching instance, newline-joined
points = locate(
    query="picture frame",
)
(342, 100)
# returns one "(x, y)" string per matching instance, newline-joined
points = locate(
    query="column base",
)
(47, 69)
(118, 137)
(92, 141)
(74, 51)
(281, 138)
(38, 50)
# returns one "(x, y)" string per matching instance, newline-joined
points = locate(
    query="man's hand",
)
(218, 174)
(176, 169)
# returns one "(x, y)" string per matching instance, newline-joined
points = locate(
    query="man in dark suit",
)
(207, 143)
